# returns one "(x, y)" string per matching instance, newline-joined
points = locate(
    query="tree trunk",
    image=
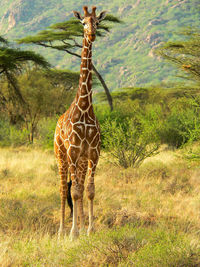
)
(108, 95)
(31, 137)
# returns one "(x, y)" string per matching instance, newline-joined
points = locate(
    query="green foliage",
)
(185, 53)
(3, 40)
(12, 135)
(42, 93)
(65, 78)
(133, 140)
(13, 61)
(169, 116)
(46, 129)
(65, 32)
(182, 124)
(178, 110)
(119, 114)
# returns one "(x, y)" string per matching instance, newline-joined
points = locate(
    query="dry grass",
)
(162, 196)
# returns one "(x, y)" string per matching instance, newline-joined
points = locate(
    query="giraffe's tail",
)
(69, 197)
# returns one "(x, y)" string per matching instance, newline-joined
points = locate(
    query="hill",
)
(125, 56)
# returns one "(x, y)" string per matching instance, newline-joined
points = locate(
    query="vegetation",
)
(139, 213)
(27, 92)
(145, 116)
(12, 61)
(185, 54)
(132, 141)
(148, 212)
(43, 94)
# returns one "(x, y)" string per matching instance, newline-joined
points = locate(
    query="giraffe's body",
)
(77, 138)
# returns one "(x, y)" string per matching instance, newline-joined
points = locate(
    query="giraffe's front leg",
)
(82, 170)
(90, 195)
(81, 214)
(74, 233)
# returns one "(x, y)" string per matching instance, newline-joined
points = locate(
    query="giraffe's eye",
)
(97, 23)
(83, 24)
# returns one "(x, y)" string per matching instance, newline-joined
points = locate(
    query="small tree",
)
(44, 92)
(64, 36)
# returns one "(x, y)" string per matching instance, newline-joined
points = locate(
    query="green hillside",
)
(125, 56)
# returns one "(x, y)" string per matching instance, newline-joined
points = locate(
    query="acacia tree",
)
(44, 93)
(185, 54)
(65, 36)
(12, 62)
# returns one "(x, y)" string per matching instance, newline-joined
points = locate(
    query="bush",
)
(181, 126)
(133, 140)
(46, 130)
(12, 135)
(120, 113)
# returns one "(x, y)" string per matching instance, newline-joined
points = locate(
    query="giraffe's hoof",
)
(90, 230)
(74, 234)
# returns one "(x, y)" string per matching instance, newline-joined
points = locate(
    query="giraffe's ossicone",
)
(77, 135)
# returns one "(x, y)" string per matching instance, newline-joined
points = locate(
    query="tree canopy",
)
(62, 36)
(185, 53)
(13, 60)
(65, 36)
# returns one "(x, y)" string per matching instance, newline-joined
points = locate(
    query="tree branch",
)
(108, 95)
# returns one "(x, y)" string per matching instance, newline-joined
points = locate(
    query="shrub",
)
(12, 135)
(181, 126)
(132, 141)
(4, 133)
(46, 130)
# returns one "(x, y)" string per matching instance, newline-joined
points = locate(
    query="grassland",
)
(144, 217)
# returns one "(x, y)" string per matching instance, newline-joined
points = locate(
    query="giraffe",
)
(77, 135)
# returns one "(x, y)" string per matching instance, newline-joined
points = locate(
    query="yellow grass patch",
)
(163, 192)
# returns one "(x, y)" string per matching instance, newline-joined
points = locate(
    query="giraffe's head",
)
(90, 22)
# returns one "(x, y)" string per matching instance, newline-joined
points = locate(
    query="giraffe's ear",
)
(101, 16)
(77, 15)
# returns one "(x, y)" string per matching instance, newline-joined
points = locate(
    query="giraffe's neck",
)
(84, 93)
